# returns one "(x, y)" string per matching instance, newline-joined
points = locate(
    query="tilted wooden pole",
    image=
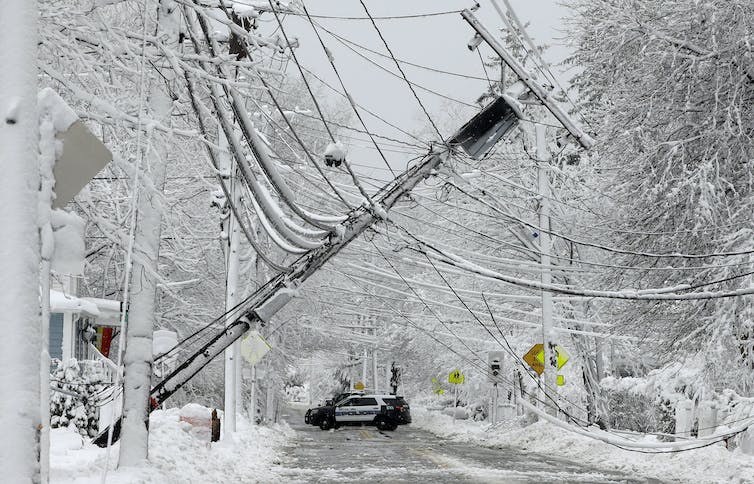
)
(583, 138)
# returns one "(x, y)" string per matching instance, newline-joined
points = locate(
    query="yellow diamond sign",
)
(456, 377)
(563, 356)
(535, 357)
(358, 386)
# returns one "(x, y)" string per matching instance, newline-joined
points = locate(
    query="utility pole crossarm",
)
(565, 119)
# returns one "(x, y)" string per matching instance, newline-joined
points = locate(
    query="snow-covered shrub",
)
(478, 410)
(296, 393)
(630, 410)
(84, 379)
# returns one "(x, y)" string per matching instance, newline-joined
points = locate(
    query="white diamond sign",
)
(254, 347)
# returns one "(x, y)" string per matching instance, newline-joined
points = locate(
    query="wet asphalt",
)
(411, 455)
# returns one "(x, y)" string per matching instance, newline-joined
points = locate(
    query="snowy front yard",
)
(713, 464)
(176, 455)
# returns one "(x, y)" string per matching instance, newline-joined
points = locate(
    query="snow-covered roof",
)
(65, 303)
(109, 310)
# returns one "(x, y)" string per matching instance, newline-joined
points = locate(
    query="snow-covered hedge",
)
(648, 403)
(86, 380)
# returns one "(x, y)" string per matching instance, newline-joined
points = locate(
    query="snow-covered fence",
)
(707, 418)
(684, 417)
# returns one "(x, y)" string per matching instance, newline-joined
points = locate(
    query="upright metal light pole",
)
(549, 375)
(20, 311)
(230, 227)
(586, 141)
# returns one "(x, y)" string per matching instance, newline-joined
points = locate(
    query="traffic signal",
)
(495, 362)
(495, 366)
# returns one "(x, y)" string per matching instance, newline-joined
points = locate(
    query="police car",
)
(315, 415)
(386, 412)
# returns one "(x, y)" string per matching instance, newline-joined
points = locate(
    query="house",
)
(75, 322)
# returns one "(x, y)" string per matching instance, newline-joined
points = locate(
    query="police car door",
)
(345, 410)
(366, 409)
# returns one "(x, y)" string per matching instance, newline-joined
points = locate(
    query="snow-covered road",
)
(412, 455)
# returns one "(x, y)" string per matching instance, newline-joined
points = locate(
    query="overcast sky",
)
(437, 41)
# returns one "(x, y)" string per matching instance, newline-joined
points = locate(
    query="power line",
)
(371, 113)
(343, 86)
(411, 83)
(389, 17)
(402, 61)
(403, 74)
(316, 103)
(339, 17)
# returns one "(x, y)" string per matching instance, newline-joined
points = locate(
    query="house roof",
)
(66, 303)
(106, 311)
(109, 310)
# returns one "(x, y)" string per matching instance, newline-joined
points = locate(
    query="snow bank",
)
(713, 464)
(248, 455)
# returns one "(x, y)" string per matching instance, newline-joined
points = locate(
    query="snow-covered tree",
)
(670, 86)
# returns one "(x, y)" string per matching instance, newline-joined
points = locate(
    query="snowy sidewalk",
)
(175, 455)
(713, 464)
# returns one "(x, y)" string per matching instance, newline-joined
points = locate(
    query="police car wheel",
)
(326, 423)
(382, 423)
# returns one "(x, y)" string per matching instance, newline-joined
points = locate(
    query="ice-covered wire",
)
(350, 99)
(403, 74)
(345, 162)
(272, 211)
(214, 160)
(243, 116)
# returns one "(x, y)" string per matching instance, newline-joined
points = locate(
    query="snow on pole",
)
(20, 310)
(545, 249)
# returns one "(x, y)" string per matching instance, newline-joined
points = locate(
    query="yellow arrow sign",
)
(563, 356)
(535, 357)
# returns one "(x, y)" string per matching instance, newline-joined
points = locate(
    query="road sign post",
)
(535, 358)
(456, 378)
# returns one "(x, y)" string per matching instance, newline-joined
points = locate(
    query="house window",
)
(56, 336)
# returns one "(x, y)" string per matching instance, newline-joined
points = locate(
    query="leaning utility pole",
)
(281, 289)
(262, 305)
(20, 313)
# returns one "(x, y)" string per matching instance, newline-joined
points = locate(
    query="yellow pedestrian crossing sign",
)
(456, 377)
